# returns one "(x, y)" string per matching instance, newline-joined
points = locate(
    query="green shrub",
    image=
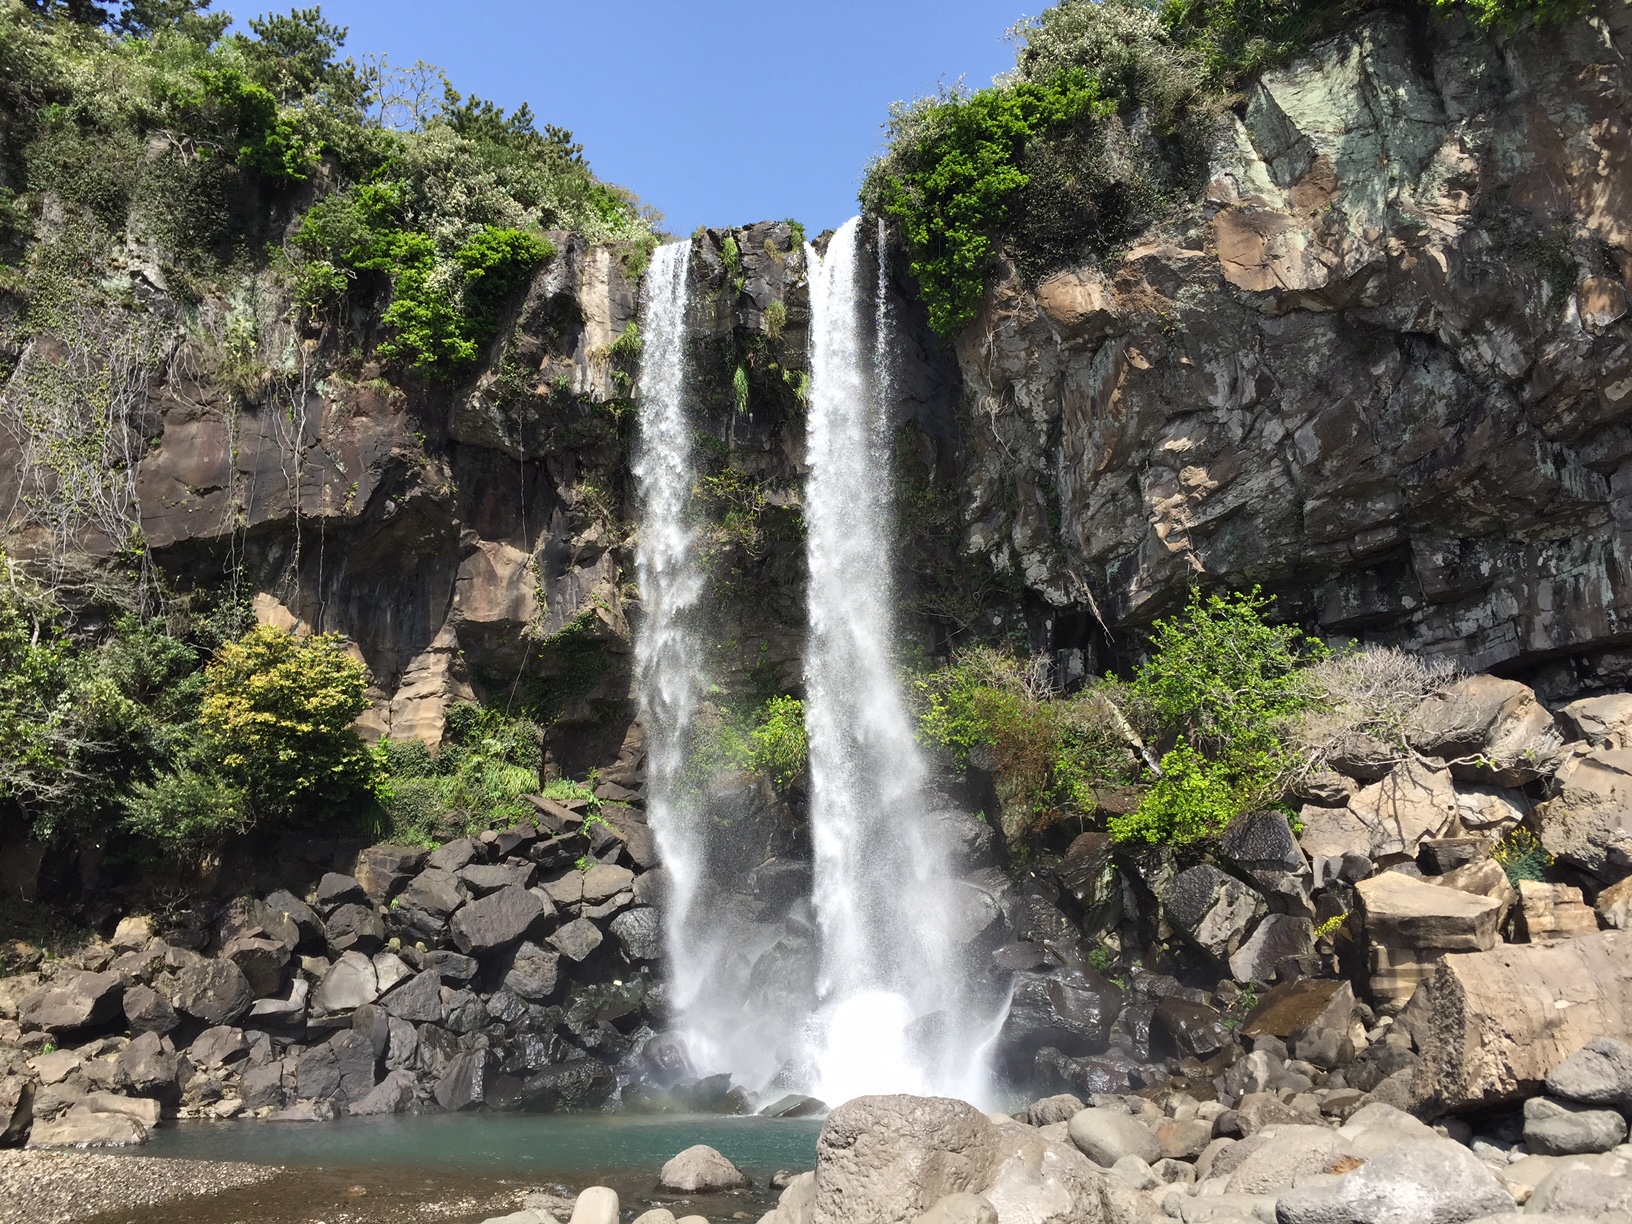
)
(1193, 801)
(1522, 856)
(780, 742)
(187, 812)
(277, 718)
(480, 777)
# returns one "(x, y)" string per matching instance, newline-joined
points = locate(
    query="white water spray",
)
(897, 1014)
(668, 651)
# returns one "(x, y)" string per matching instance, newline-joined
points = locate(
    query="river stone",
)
(1556, 1128)
(214, 991)
(577, 939)
(335, 890)
(1270, 1161)
(1105, 1136)
(491, 922)
(596, 1205)
(1600, 1073)
(461, 1085)
(1435, 1181)
(892, 1157)
(640, 933)
(81, 1127)
(147, 1011)
(1274, 939)
(1050, 1110)
(1213, 909)
(700, 1169)
(74, 1000)
(349, 983)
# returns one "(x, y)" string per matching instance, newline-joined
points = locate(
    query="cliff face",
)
(1382, 369)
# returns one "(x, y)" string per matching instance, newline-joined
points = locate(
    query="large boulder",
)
(425, 905)
(1604, 722)
(261, 961)
(532, 973)
(1588, 824)
(639, 933)
(339, 1070)
(82, 1127)
(462, 1084)
(1068, 1010)
(1105, 1136)
(1274, 939)
(1563, 1128)
(356, 928)
(577, 940)
(1552, 911)
(1213, 909)
(496, 920)
(148, 1011)
(419, 1000)
(350, 982)
(146, 1066)
(1413, 803)
(578, 1083)
(700, 1169)
(214, 991)
(1494, 728)
(383, 870)
(888, 1159)
(1033, 1178)
(1404, 912)
(1430, 1182)
(1491, 1025)
(74, 1000)
(1599, 1073)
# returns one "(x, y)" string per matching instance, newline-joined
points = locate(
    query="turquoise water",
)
(545, 1147)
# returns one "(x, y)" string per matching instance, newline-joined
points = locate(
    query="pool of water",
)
(468, 1167)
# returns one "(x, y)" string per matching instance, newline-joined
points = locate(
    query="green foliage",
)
(1225, 684)
(277, 718)
(739, 389)
(780, 742)
(771, 739)
(187, 812)
(479, 778)
(1522, 856)
(953, 174)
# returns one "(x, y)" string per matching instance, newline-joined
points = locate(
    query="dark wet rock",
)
(74, 1000)
(350, 982)
(306, 928)
(464, 1012)
(261, 961)
(1069, 1010)
(418, 1000)
(1195, 1028)
(1274, 939)
(484, 878)
(383, 870)
(425, 905)
(794, 1105)
(214, 991)
(454, 855)
(1213, 910)
(462, 1085)
(146, 1066)
(356, 928)
(494, 921)
(335, 890)
(341, 1069)
(148, 1011)
(639, 933)
(577, 940)
(579, 1083)
(218, 1046)
(450, 966)
(1112, 1072)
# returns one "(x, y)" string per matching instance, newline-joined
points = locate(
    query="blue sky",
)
(717, 113)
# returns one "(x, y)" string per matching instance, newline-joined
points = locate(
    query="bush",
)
(187, 812)
(277, 719)
(1225, 685)
(1522, 856)
(771, 740)
(485, 767)
(781, 744)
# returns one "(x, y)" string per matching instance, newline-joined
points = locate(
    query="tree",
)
(293, 55)
(145, 18)
(277, 720)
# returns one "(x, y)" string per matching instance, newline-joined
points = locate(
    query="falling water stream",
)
(896, 1015)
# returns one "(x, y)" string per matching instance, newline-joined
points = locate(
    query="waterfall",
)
(669, 653)
(896, 1012)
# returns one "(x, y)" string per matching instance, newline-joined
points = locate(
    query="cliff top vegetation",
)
(1099, 131)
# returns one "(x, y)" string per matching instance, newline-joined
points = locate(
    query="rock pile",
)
(512, 969)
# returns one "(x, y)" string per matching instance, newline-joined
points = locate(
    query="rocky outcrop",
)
(1381, 367)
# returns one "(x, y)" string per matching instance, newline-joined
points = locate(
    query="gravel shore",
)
(45, 1187)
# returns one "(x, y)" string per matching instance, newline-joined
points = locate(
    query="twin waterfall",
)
(891, 1009)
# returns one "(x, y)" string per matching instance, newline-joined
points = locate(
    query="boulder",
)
(1602, 721)
(1614, 905)
(596, 1205)
(261, 961)
(1212, 909)
(147, 1011)
(577, 940)
(1272, 1160)
(339, 1070)
(1434, 1181)
(132, 933)
(383, 870)
(1196, 1029)
(1485, 878)
(16, 1109)
(1579, 1190)
(335, 890)
(1490, 811)
(1438, 855)
(1403, 912)
(281, 1013)
(1037, 1178)
(566, 889)
(1105, 1136)
(293, 918)
(959, 1209)
(1599, 1073)
(639, 933)
(1277, 937)
(1068, 1010)
(890, 1158)
(56, 1066)
(216, 1047)
(604, 881)
(262, 1087)
(700, 1169)
(1498, 722)
(1553, 911)
(532, 973)
(454, 855)
(1181, 1138)
(390, 969)
(425, 905)
(1491, 1025)
(350, 982)
(419, 1000)
(82, 1127)
(1559, 1128)
(73, 1000)
(484, 878)
(145, 1110)
(1305, 1003)
(214, 991)
(496, 920)
(1050, 1110)
(452, 967)
(146, 1065)
(462, 1083)
(1587, 822)
(356, 928)
(1414, 802)
(578, 1083)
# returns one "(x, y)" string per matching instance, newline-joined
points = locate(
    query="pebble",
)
(43, 1187)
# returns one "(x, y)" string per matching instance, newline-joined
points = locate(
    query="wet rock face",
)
(1382, 366)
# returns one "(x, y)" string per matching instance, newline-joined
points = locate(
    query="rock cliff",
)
(1382, 368)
